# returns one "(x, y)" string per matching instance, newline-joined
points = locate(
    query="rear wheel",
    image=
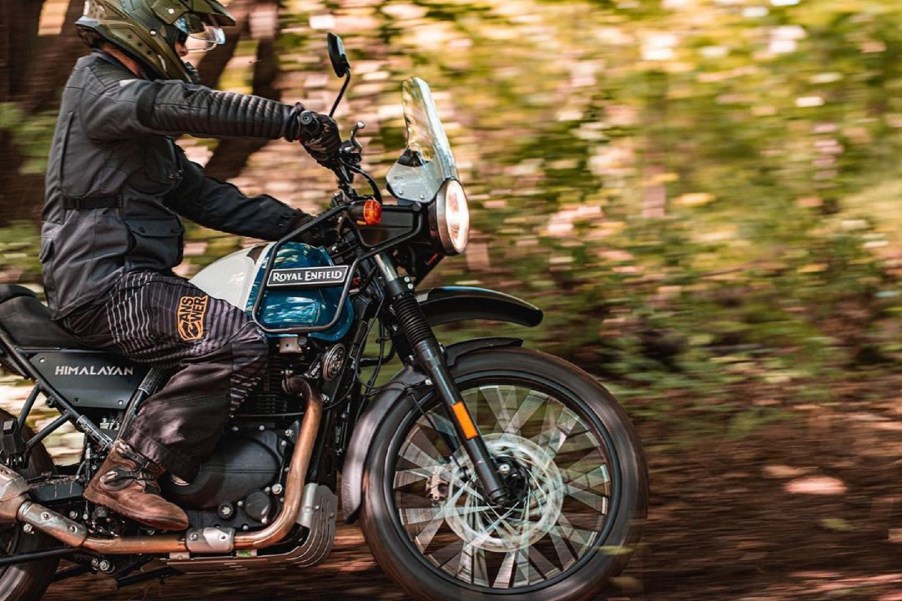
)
(573, 468)
(26, 581)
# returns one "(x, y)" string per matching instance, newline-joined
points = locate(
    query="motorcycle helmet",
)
(147, 30)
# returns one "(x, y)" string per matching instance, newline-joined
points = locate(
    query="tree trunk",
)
(19, 21)
(20, 196)
(231, 154)
(58, 56)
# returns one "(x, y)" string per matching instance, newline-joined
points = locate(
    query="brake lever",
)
(353, 139)
(351, 150)
(350, 155)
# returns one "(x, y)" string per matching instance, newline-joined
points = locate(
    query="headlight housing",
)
(452, 217)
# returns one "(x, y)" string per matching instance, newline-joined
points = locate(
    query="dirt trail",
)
(806, 509)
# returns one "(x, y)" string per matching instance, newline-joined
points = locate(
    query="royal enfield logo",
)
(190, 317)
(308, 277)
(93, 370)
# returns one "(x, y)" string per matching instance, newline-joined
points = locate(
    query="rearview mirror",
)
(337, 55)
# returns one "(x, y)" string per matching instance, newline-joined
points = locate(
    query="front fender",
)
(457, 303)
(368, 424)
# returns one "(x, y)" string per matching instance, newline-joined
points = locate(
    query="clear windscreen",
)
(427, 162)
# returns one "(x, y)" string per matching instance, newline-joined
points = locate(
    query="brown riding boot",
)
(127, 483)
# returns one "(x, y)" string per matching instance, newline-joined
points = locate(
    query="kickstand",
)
(161, 573)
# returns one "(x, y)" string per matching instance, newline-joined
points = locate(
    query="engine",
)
(240, 485)
(269, 398)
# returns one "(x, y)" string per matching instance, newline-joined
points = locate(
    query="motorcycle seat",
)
(27, 320)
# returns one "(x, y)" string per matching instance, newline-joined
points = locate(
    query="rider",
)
(116, 183)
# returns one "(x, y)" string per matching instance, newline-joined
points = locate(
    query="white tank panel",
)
(231, 277)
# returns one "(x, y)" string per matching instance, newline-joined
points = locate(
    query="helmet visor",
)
(198, 35)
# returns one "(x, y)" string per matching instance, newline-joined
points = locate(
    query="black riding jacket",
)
(117, 183)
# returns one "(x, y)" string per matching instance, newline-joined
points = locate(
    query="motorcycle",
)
(480, 470)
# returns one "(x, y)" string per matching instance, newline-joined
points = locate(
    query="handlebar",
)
(310, 125)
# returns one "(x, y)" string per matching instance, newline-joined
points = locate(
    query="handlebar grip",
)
(310, 125)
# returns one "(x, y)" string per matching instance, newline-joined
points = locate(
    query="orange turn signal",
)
(372, 212)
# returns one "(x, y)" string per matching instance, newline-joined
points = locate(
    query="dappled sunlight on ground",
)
(816, 485)
(799, 510)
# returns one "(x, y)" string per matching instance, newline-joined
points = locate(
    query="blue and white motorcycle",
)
(481, 470)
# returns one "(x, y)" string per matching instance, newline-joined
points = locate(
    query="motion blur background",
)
(703, 196)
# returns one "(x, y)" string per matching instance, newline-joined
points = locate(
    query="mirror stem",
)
(341, 93)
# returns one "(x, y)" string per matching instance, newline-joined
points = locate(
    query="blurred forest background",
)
(703, 196)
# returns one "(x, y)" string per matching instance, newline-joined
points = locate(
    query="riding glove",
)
(323, 145)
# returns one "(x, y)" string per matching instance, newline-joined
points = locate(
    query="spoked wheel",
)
(574, 472)
(26, 581)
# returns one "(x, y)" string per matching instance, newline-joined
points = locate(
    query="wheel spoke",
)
(522, 573)
(445, 555)
(514, 570)
(526, 410)
(556, 430)
(502, 402)
(577, 535)
(409, 476)
(596, 501)
(579, 441)
(479, 509)
(417, 515)
(564, 552)
(505, 572)
(480, 569)
(420, 457)
(595, 479)
(590, 462)
(426, 535)
(472, 567)
(542, 565)
(411, 516)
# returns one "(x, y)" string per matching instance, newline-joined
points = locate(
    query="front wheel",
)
(572, 464)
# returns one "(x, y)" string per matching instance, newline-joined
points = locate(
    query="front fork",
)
(430, 358)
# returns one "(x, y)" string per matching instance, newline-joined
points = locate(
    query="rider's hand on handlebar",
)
(323, 147)
(317, 133)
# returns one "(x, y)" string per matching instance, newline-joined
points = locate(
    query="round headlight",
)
(452, 217)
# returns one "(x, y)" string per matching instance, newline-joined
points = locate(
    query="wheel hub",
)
(535, 489)
(516, 478)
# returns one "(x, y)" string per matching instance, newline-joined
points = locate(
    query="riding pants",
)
(217, 353)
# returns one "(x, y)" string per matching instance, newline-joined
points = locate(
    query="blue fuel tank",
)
(293, 298)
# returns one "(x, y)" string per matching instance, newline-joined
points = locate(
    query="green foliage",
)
(31, 134)
(701, 195)
(19, 245)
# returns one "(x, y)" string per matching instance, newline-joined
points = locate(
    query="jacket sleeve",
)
(222, 206)
(176, 107)
(115, 106)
